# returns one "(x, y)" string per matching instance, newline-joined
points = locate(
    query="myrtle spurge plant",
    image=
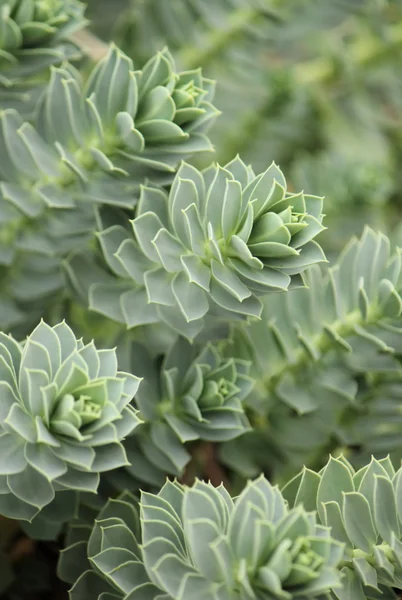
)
(65, 410)
(34, 34)
(221, 239)
(327, 366)
(192, 395)
(199, 542)
(177, 359)
(363, 510)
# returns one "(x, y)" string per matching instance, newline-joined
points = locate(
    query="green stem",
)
(301, 359)
(365, 53)
(322, 344)
(369, 557)
(91, 45)
(217, 40)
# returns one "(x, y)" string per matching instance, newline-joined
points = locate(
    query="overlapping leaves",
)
(222, 238)
(126, 125)
(325, 357)
(31, 249)
(363, 510)
(33, 36)
(193, 543)
(65, 409)
(119, 128)
(120, 121)
(191, 395)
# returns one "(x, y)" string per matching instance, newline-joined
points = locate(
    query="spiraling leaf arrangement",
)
(126, 124)
(152, 117)
(193, 543)
(191, 395)
(119, 128)
(199, 278)
(33, 36)
(325, 356)
(288, 108)
(222, 238)
(363, 510)
(64, 410)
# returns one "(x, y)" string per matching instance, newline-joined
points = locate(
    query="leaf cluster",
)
(177, 357)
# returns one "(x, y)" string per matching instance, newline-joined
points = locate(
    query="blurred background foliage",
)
(315, 85)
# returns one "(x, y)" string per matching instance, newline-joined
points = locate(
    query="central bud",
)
(185, 95)
(223, 387)
(304, 556)
(87, 409)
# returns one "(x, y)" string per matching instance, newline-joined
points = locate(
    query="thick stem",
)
(91, 45)
(321, 343)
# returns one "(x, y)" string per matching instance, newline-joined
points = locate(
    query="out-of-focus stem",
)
(217, 40)
(364, 53)
(91, 45)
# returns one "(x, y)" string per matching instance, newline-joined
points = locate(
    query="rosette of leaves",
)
(191, 395)
(326, 366)
(363, 510)
(199, 543)
(280, 66)
(222, 238)
(124, 125)
(64, 412)
(73, 559)
(33, 36)
(118, 129)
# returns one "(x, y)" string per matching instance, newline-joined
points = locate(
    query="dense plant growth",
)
(194, 403)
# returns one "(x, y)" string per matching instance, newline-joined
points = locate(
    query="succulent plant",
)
(109, 141)
(33, 35)
(55, 170)
(193, 543)
(124, 123)
(193, 394)
(363, 510)
(219, 240)
(65, 409)
(327, 367)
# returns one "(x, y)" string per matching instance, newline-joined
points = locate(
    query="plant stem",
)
(217, 40)
(91, 45)
(321, 343)
(204, 464)
(364, 53)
